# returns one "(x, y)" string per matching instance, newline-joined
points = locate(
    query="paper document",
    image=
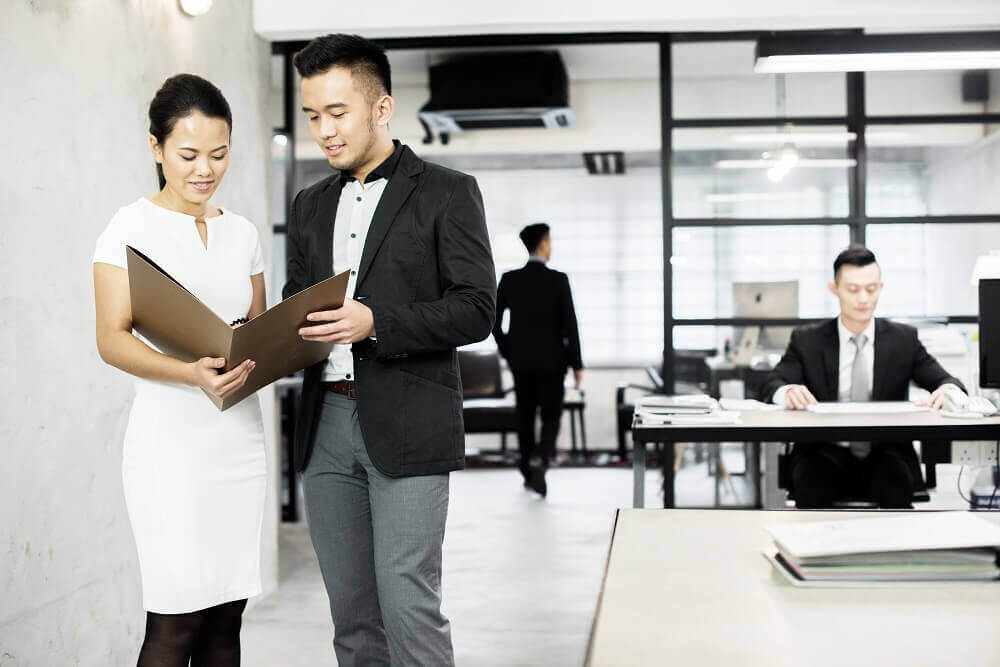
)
(866, 408)
(180, 325)
(932, 530)
(748, 405)
(714, 417)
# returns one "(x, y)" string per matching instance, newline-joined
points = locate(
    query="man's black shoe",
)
(536, 478)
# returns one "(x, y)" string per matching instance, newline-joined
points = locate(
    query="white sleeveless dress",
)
(194, 477)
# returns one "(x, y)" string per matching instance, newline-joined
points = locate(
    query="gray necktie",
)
(859, 388)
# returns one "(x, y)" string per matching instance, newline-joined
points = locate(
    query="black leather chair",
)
(489, 408)
(626, 408)
(691, 374)
(486, 405)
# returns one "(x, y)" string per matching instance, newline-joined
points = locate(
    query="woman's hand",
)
(204, 374)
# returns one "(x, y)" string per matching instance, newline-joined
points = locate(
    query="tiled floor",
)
(521, 574)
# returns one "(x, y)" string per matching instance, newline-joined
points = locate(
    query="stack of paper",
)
(945, 546)
(684, 409)
(683, 404)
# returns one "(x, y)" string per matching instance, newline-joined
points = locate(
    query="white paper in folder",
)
(932, 530)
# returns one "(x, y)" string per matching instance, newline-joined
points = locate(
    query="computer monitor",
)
(764, 300)
(989, 333)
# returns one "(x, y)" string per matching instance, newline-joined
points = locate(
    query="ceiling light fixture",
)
(870, 53)
(784, 160)
(815, 139)
(740, 197)
(195, 7)
(802, 163)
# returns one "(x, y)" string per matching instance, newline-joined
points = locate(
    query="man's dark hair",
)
(182, 95)
(367, 61)
(855, 255)
(532, 235)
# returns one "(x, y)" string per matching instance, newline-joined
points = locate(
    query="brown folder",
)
(180, 325)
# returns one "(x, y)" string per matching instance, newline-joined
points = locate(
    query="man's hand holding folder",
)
(345, 325)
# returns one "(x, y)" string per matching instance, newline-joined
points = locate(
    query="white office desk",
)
(799, 426)
(690, 587)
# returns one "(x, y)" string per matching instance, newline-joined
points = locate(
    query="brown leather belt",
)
(343, 387)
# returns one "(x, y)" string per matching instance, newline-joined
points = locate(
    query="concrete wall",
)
(77, 78)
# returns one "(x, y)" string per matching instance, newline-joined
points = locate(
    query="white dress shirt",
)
(355, 210)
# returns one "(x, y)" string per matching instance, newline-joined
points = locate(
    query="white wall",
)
(605, 123)
(77, 78)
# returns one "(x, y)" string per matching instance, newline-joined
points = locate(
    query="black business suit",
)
(541, 342)
(375, 469)
(823, 472)
(427, 274)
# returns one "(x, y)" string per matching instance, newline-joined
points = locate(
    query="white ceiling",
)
(277, 20)
(594, 62)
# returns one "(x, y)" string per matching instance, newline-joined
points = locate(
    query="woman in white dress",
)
(194, 477)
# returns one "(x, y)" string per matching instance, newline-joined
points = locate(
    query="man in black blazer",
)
(541, 342)
(380, 422)
(854, 357)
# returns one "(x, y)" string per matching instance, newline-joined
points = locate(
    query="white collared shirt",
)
(355, 210)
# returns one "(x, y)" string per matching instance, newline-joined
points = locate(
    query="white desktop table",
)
(691, 587)
(798, 426)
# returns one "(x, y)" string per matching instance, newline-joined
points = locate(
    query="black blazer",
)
(813, 359)
(543, 335)
(427, 273)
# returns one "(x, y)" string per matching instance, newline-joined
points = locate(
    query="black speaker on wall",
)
(989, 333)
(976, 86)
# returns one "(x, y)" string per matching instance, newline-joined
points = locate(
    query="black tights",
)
(208, 638)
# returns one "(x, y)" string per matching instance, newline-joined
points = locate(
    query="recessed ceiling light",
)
(870, 53)
(195, 7)
(804, 163)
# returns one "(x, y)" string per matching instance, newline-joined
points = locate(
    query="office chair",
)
(920, 493)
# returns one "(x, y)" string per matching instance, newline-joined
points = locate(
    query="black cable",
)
(996, 477)
(959, 484)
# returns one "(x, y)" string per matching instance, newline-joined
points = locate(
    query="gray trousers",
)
(378, 540)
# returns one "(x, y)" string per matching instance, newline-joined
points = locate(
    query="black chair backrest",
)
(480, 371)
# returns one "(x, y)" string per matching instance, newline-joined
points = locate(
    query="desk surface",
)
(802, 425)
(690, 587)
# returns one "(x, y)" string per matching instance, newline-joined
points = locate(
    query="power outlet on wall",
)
(973, 452)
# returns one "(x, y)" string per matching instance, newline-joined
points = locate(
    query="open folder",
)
(180, 325)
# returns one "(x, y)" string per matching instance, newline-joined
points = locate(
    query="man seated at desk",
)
(854, 357)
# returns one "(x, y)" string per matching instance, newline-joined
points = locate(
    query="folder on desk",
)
(940, 546)
(180, 325)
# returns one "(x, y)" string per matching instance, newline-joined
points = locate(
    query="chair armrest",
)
(622, 386)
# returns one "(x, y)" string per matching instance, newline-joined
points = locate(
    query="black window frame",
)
(855, 119)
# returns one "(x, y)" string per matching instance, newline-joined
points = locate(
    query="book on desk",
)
(921, 548)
